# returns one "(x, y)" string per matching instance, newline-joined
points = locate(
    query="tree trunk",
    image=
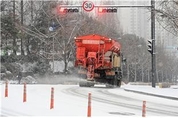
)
(22, 36)
(28, 40)
(128, 72)
(65, 66)
(65, 62)
(14, 37)
(31, 11)
(135, 73)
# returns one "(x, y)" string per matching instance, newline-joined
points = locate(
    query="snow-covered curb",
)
(174, 87)
(158, 92)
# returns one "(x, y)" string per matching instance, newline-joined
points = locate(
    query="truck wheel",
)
(90, 84)
(112, 83)
(115, 82)
(82, 84)
(119, 83)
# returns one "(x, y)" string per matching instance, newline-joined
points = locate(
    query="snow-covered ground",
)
(171, 92)
(71, 100)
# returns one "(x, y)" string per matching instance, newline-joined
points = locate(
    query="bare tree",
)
(35, 19)
(8, 19)
(167, 15)
(55, 45)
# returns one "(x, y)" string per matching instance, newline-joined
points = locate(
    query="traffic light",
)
(63, 10)
(150, 47)
(107, 10)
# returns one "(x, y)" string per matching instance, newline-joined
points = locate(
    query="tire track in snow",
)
(8, 112)
(168, 107)
(78, 91)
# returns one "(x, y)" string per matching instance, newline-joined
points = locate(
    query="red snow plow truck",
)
(98, 59)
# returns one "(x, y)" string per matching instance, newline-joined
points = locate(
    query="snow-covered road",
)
(72, 100)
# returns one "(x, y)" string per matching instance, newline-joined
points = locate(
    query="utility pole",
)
(153, 54)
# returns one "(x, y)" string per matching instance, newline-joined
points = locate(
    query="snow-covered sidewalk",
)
(170, 93)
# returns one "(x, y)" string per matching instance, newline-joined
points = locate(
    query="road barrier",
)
(144, 109)
(6, 89)
(52, 99)
(89, 105)
(24, 93)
